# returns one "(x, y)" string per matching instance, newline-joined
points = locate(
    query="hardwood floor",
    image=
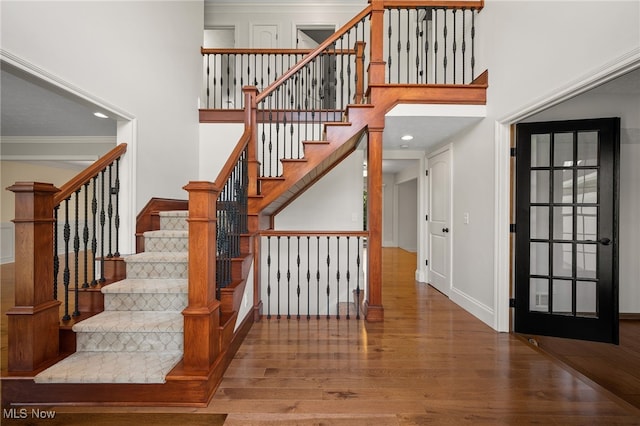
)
(429, 362)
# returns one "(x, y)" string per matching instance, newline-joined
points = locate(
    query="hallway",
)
(430, 362)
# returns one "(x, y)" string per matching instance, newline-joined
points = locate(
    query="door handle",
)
(445, 229)
(604, 241)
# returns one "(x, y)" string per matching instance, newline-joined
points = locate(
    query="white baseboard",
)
(478, 309)
(7, 243)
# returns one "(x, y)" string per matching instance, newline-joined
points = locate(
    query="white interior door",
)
(439, 221)
(264, 36)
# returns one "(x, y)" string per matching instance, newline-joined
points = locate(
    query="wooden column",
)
(374, 310)
(250, 93)
(34, 320)
(202, 316)
(376, 62)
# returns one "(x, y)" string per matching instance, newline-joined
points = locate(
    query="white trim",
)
(310, 26)
(59, 139)
(473, 306)
(609, 71)
(82, 157)
(502, 259)
(437, 110)
(50, 78)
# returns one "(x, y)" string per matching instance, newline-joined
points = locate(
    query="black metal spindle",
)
(435, 46)
(444, 59)
(389, 59)
(94, 238)
(473, 36)
(278, 275)
(328, 277)
(408, 45)
(348, 274)
(298, 269)
(318, 277)
(66, 275)
(56, 257)
(102, 223)
(268, 277)
(288, 277)
(455, 46)
(338, 278)
(464, 42)
(308, 277)
(208, 57)
(399, 48)
(76, 254)
(418, 50)
(85, 236)
(116, 193)
(110, 213)
(215, 69)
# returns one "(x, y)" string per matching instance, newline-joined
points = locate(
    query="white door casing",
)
(439, 222)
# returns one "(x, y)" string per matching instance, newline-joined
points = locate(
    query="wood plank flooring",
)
(429, 362)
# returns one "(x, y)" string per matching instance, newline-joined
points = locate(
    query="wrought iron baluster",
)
(444, 60)
(94, 238)
(344, 104)
(277, 160)
(298, 265)
(455, 45)
(328, 277)
(208, 56)
(56, 258)
(66, 275)
(117, 214)
(102, 223)
(464, 42)
(338, 278)
(278, 278)
(241, 80)
(358, 280)
(418, 50)
(435, 46)
(288, 277)
(348, 275)
(399, 44)
(76, 254)
(110, 212)
(473, 36)
(85, 236)
(270, 135)
(215, 57)
(408, 45)
(268, 277)
(428, 13)
(317, 277)
(389, 59)
(308, 277)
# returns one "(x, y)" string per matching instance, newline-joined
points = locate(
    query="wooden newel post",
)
(376, 62)
(250, 93)
(34, 320)
(358, 97)
(374, 310)
(202, 316)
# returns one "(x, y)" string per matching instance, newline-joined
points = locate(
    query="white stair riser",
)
(157, 270)
(129, 342)
(145, 301)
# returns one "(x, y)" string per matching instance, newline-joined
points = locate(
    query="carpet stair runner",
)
(139, 336)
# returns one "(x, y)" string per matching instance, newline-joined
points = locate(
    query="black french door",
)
(566, 262)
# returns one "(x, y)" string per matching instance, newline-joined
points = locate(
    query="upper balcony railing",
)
(423, 42)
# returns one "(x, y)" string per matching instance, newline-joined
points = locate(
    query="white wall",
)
(334, 203)
(141, 57)
(532, 49)
(389, 202)
(243, 16)
(627, 107)
(408, 215)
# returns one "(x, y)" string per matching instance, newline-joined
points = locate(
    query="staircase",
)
(139, 336)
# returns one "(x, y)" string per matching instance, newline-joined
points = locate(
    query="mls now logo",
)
(23, 413)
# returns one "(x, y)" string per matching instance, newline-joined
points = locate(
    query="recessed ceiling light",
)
(406, 137)
(100, 115)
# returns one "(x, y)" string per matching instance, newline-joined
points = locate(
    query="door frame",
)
(504, 197)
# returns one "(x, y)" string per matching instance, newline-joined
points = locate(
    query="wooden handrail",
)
(317, 51)
(242, 51)
(421, 4)
(275, 233)
(93, 170)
